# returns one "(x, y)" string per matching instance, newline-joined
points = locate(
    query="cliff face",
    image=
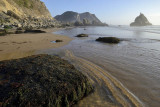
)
(25, 14)
(141, 20)
(72, 17)
(25, 8)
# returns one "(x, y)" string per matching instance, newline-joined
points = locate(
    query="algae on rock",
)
(41, 80)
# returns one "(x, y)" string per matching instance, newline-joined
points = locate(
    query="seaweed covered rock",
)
(41, 81)
(82, 35)
(108, 39)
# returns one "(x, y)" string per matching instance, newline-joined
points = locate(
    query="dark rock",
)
(34, 31)
(41, 81)
(82, 35)
(59, 41)
(7, 26)
(141, 20)
(108, 39)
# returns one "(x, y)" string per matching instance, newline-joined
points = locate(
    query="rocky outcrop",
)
(26, 8)
(141, 20)
(25, 13)
(68, 16)
(41, 81)
(79, 18)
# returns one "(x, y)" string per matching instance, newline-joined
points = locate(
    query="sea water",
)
(124, 74)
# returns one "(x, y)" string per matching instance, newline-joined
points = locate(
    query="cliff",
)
(25, 8)
(72, 17)
(141, 20)
(25, 14)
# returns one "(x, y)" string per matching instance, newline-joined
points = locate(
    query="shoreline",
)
(15, 46)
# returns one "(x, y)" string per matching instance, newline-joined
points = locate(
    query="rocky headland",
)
(25, 14)
(79, 19)
(141, 20)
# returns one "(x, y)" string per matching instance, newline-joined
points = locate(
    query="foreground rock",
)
(41, 80)
(141, 20)
(82, 35)
(108, 40)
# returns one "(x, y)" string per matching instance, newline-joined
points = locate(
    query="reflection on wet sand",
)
(109, 92)
(15, 55)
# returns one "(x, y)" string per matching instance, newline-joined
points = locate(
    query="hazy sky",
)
(109, 11)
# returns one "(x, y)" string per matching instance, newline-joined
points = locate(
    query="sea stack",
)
(141, 20)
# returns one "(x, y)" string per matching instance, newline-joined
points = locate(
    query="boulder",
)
(82, 35)
(41, 81)
(59, 41)
(113, 40)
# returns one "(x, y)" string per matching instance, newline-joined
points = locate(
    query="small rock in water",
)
(82, 35)
(108, 40)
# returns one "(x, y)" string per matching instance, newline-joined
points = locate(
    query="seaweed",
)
(41, 80)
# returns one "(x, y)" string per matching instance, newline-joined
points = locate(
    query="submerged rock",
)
(141, 20)
(108, 39)
(82, 35)
(41, 81)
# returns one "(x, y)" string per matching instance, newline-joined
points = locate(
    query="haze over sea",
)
(134, 62)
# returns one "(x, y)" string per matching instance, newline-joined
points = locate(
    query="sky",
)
(115, 12)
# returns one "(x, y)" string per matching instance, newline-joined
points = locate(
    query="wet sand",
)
(21, 45)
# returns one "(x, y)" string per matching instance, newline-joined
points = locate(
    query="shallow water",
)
(125, 74)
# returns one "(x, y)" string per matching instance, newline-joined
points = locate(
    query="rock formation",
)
(74, 17)
(25, 13)
(68, 16)
(141, 20)
(41, 81)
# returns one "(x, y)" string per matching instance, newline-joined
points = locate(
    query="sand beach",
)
(20, 45)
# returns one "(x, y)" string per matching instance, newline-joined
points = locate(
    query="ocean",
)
(125, 74)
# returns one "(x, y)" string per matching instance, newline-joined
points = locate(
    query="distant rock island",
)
(79, 18)
(141, 20)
